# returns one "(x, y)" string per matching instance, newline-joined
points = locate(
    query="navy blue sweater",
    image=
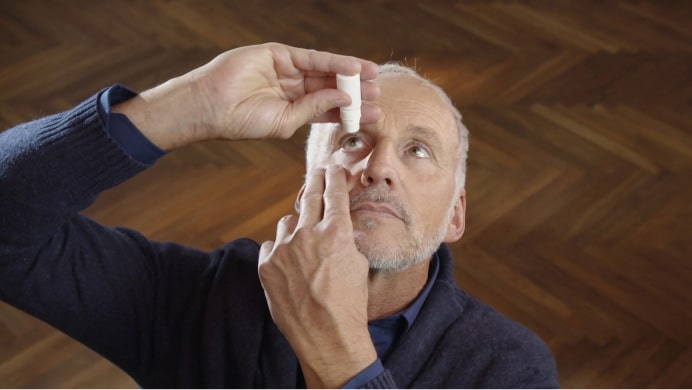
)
(174, 316)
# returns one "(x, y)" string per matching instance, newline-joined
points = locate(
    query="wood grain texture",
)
(579, 177)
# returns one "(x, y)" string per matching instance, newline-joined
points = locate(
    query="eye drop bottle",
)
(350, 115)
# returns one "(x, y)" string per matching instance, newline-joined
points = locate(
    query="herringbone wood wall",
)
(579, 183)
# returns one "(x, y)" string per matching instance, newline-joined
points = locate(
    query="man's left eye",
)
(418, 151)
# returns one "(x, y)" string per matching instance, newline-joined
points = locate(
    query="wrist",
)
(333, 365)
(165, 115)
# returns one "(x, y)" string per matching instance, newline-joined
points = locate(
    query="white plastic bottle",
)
(350, 115)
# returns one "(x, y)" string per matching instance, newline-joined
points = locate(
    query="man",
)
(355, 290)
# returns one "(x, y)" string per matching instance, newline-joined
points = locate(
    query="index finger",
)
(336, 199)
(322, 61)
(311, 200)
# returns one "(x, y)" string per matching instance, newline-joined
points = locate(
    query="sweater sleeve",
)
(105, 287)
(52, 168)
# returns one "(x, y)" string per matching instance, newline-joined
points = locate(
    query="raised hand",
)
(315, 282)
(253, 92)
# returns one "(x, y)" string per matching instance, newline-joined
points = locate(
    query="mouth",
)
(379, 209)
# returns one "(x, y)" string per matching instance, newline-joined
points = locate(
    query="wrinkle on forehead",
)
(422, 106)
(404, 94)
(404, 88)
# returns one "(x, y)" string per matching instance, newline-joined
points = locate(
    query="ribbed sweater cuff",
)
(79, 149)
(383, 381)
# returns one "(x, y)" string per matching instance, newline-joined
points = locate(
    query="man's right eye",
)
(352, 143)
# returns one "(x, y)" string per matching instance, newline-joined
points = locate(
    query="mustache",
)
(379, 195)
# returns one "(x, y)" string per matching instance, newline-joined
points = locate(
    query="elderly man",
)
(356, 290)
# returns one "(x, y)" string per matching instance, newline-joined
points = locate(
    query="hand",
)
(270, 90)
(315, 282)
(253, 92)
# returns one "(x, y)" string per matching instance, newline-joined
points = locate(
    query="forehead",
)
(411, 101)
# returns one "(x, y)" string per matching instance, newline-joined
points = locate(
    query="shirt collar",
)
(410, 314)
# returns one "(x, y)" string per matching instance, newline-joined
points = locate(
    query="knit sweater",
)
(174, 316)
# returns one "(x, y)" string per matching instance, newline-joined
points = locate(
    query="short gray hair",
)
(316, 144)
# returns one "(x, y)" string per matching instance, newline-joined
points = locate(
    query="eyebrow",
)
(425, 134)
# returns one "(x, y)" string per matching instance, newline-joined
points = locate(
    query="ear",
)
(458, 222)
(299, 197)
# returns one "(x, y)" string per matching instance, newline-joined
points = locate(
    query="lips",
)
(381, 208)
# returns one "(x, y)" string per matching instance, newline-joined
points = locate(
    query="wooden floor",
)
(580, 172)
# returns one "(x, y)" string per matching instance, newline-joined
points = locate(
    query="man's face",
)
(403, 201)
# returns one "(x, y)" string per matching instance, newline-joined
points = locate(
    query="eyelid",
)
(347, 136)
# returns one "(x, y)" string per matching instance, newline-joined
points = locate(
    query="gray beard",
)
(411, 249)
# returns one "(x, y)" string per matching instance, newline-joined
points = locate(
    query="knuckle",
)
(270, 267)
(302, 235)
(312, 197)
(334, 193)
(333, 229)
(287, 221)
(265, 271)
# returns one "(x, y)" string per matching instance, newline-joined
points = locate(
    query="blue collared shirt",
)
(122, 130)
(384, 331)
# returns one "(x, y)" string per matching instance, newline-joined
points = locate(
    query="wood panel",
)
(579, 182)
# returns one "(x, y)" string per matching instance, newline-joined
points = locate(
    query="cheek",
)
(428, 170)
(431, 200)
(426, 173)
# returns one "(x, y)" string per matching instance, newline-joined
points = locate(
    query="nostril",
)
(388, 181)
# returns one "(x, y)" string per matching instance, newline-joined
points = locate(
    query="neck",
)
(390, 292)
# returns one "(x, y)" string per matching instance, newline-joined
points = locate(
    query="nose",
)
(380, 167)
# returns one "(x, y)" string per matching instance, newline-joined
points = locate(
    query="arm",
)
(97, 283)
(53, 262)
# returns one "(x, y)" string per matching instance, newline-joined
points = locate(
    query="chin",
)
(388, 254)
(372, 234)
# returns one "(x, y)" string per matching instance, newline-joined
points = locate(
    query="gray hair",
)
(316, 144)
